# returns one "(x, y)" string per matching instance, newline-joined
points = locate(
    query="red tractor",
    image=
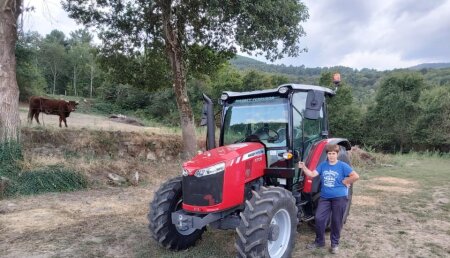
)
(251, 182)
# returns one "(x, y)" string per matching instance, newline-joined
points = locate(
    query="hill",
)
(245, 62)
(363, 82)
(430, 66)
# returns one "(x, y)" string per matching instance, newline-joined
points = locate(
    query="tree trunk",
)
(75, 80)
(92, 76)
(174, 52)
(9, 90)
(54, 72)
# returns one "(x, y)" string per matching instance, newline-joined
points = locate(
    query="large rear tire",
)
(166, 200)
(349, 204)
(268, 224)
(343, 156)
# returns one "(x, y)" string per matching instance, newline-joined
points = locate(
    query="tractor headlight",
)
(210, 170)
(185, 172)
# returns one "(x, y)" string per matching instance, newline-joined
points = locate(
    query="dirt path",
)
(87, 121)
(100, 223)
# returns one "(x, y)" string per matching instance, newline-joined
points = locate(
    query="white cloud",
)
(375, 34)
(376, 60)
(47, 16)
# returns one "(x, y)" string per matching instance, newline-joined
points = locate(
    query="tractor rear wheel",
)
(343, 156)
(268, 224)
(349, 203)
(166, 200)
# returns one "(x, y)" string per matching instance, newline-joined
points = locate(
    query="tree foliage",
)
(29, 76)
(432, 130)
(55, 61)
(191, 31)
(389, 123)
(344, 116)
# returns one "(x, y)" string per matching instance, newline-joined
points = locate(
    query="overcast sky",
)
(383, 34)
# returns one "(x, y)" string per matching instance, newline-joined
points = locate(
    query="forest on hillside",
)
(399, 110)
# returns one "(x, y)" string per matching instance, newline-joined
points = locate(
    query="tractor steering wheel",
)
(267, 134)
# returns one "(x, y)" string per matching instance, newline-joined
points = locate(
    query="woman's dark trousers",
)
(336, 208)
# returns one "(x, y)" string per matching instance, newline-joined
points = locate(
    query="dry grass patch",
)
(392, 189)
(395, 181)
(440, 196)
(365, 200)
(35, 219)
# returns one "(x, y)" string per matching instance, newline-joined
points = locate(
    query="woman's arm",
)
(352, 177)
(307, 171)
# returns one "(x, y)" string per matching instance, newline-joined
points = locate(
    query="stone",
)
(135, 178)
(151, 155)
(116, 179)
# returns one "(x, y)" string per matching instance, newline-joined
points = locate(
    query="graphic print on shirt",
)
(329, 178)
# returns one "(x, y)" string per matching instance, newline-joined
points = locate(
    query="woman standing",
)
(336, 177)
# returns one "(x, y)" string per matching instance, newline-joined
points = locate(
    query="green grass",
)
(54, 178)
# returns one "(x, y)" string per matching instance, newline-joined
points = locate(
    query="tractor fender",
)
(315, 157)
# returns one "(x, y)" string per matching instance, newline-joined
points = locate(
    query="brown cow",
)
(62, 108)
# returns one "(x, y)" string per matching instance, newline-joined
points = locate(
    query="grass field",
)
(401, 209)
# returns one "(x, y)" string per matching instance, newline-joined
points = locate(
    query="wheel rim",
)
(278, 246)
(182, 232)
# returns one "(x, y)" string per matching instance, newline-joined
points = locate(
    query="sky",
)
(382, 34)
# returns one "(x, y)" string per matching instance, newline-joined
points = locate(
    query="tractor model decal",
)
(253, 154)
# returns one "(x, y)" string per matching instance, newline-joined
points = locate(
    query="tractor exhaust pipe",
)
(208, 120)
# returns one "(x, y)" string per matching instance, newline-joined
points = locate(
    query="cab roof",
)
(296, 87)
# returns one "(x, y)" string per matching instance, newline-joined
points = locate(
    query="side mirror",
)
(204, 120)
(314, 102)
(208, 120)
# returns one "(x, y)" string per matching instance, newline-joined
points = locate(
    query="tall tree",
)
(432, 130)
(54, 60)
(269, 27)
(9, 91)
(390, 122)
(81, 59)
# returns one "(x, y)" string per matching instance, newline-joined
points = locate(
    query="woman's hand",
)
(306, 170)
(345, 182)
(301, 165)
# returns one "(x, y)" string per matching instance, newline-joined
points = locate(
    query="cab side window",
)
(306, 130)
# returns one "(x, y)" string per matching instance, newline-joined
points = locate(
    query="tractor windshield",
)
(264, 118)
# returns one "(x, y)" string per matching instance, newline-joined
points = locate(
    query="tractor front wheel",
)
(168, 199)
(268, 224)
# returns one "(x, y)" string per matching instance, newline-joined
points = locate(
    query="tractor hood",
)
(230, 154)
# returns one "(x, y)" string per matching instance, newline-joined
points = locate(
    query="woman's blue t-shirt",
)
(331, 177)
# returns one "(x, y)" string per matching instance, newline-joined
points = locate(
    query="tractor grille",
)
(203, 191)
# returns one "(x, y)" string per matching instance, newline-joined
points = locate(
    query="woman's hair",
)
(332, 147)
